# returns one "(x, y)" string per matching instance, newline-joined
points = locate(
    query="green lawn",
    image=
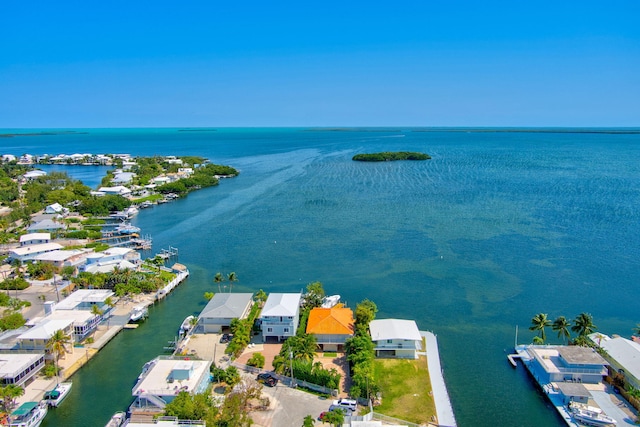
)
(406, 389)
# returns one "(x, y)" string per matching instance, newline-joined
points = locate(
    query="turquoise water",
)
(495, 228)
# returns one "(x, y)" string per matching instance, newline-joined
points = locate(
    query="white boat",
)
(186, 324)
(139, 313)
(330, 301)
(29, 414)
(590, 415)
(57, 395)
(117, 419)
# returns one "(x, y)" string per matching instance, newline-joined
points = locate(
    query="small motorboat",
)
(139, 313)
(187, 324)
(117, 419)
(57, 395)
(330, 301)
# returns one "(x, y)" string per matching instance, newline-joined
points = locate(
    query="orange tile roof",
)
(336, 320)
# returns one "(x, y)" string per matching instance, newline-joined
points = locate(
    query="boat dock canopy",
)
(24, 409)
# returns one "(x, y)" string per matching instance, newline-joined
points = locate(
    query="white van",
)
(350, 404)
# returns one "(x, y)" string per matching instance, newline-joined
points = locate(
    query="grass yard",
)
(406, 389)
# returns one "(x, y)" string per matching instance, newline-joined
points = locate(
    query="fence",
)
(287, 380)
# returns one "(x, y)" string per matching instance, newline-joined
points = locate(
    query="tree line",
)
(582, 325)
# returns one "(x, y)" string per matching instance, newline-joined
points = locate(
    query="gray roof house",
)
(395, 338)
(221, 309)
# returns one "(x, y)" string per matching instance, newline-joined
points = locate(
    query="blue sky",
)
(348, 63)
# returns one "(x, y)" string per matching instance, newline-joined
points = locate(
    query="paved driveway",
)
(289, 407)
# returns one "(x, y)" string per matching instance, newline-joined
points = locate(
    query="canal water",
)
(495, 228)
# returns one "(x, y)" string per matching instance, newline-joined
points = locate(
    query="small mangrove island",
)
(388, 156)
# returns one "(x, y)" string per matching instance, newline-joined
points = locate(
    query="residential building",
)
(116, 190)
(566, 363)
(35, 239)
(395, 338)
(64, 258)
(221, 309)
(280, 316)
(331, 326)
(28, 253)
(19, 368)
(623, 356)
(46, 225)
(56, 208)
(162, 379)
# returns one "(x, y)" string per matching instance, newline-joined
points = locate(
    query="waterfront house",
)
(36, 337)
(118, 190)
(64, 258)
(123, 177)
(331, 326)
(623, 356)
(28, 253)
(35, 239)
(162, 379)
(6, 158)
(222, 309)
(280, 316)
(396, 338)
(85, 299)
(46, 225)
(19, 368)
(112, 256)
(566, 363)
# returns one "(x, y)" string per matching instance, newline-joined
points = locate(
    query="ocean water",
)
(495, 228)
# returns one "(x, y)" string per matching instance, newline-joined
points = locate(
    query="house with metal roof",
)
(216, 317)
(35, 239)
(280, 316)
(396, 338)
(18, 368)
(28, 253)
(331, 326)
(623, 356)
(46, 225)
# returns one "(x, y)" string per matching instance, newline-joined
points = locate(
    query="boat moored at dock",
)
(590, 415)
(187, 324)
(29, 414)
(139, 313)
(117, 419)
(56, 396)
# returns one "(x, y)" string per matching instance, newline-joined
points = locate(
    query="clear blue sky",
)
(330, 63)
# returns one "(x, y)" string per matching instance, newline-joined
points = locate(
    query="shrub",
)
(16, 284)
(256, 360)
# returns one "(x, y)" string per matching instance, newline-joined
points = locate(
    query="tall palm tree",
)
(583, 324)
(232, 278)
(58, 343)
(538, 323)
(561, 325)
(218, 279)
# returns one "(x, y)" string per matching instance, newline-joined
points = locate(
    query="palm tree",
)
(57, 344)
(583, 324)
(109, 302)
(232, 278)
(561, 325)
(9, 393)
(218, 279)
(538, 323)
(636, 330)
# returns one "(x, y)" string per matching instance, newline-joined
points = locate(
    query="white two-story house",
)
(280, 316)
(395, 338)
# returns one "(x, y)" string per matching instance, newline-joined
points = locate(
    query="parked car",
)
(225, 338)
(350, 404)
(267, 379)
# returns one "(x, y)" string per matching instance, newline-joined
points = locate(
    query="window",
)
(389, 341)
(286, 330)
(269, 329)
